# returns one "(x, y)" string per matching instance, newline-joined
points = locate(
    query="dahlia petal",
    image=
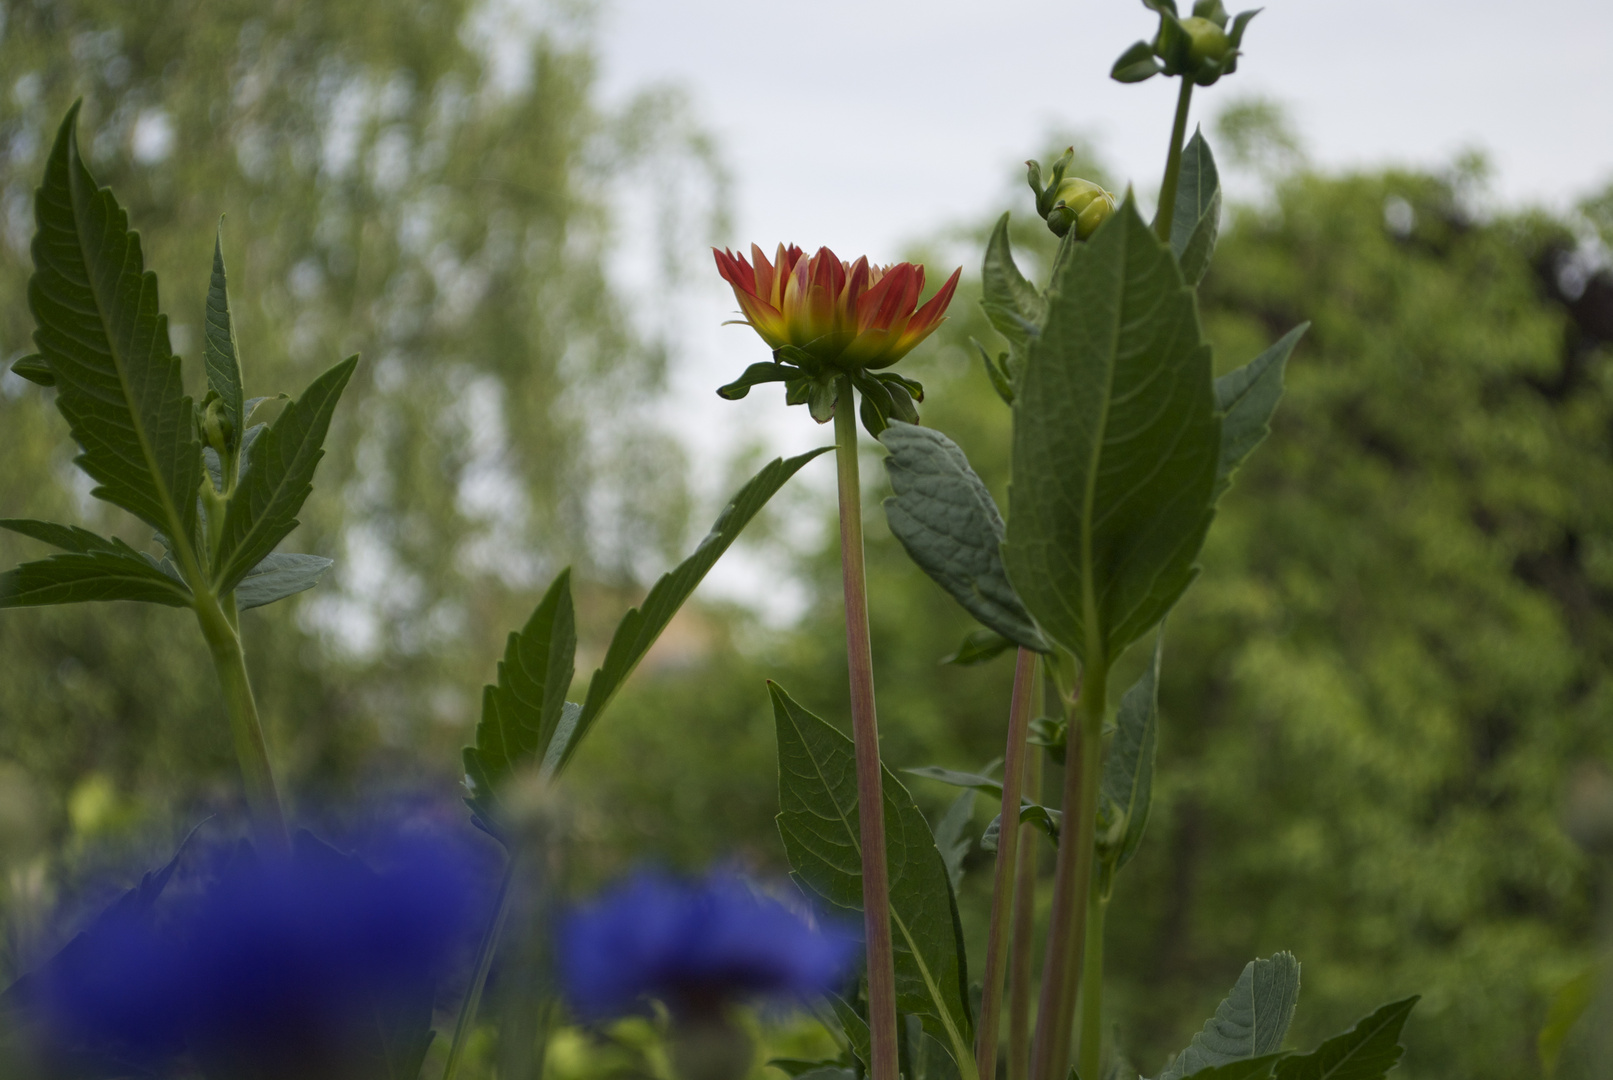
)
(930, 314)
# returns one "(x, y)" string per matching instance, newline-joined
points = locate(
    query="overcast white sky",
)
(865, 124)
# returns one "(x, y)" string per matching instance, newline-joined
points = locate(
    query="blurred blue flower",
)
(694, 946)
(316, 966)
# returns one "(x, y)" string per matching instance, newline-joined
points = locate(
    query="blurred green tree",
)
(432, 185)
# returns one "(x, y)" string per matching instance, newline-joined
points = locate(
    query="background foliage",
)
(1398, 651)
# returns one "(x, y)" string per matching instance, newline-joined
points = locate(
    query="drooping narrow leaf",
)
(278, 576)
(1116, 440)
(66, 537)
(977, 647)
(279, 475)
(98, 328)
(952, 836)
(1013, 305)
(642, 625)
(1250, 1022)
(1196, 222)
(1247, 398)
(521, 713)
(219, 352)
(1128, 770)
(818, 821)
(1366, 1052)
(974, 781)
(949, 524)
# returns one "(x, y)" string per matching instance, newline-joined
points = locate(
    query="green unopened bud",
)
(1079, 204)
(217, 430)
(1207, 42)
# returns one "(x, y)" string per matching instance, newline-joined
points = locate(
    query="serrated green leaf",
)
(642, 625)
(115, 572)
(1250, 1022)
(854, 1026)
(1196, 221)
(278, 576)
(219, 352)
(818, 823)
(35, 370)
(1013, 306)
(66, 537)
(1247, 398)
(1128, 770)
(1115, 444)
(98, 327)
(978, 647)
(950, 526)
(522, 712)
(1366, 1052)
(1258, 1068)
(278, 476)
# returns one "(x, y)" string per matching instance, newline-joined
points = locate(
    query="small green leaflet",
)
(1013, 305)
(950, 526)
(818, 823)
(278, 476)
(219, 353)
(1247, 398)
(99, 330)
(642, 625)
(1366, 1052)
(278, 576)
(1128, 769)
(522, 712)
(35, 370)
(93, 568)
(1196, 221)
(977, 647)
(1250, 1022)
(1116, 439)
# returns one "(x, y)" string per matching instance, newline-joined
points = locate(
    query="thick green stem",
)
(1002, 896)
(1090, 1054)
(1173, 164)
(1019, 969)
(478, 978)
(865, 736)
(1072, 880)
(257, 776)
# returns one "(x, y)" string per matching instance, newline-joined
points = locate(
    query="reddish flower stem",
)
(1002, 896)
(1019, 969)
(865, 736)
(1072, 879)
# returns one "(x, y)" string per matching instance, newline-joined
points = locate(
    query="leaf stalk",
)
(1019, 969)
(883, 1048)
(478, 979)
(1002, 896)
(1089, 1054)
(1173, 164)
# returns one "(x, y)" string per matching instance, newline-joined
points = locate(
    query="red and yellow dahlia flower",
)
(849, 315)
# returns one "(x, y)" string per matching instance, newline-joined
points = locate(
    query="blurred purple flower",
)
(317, 966)
(694, 946)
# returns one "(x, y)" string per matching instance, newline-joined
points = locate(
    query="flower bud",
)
(1207, 42)
(1081, 204)
(217, 430)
